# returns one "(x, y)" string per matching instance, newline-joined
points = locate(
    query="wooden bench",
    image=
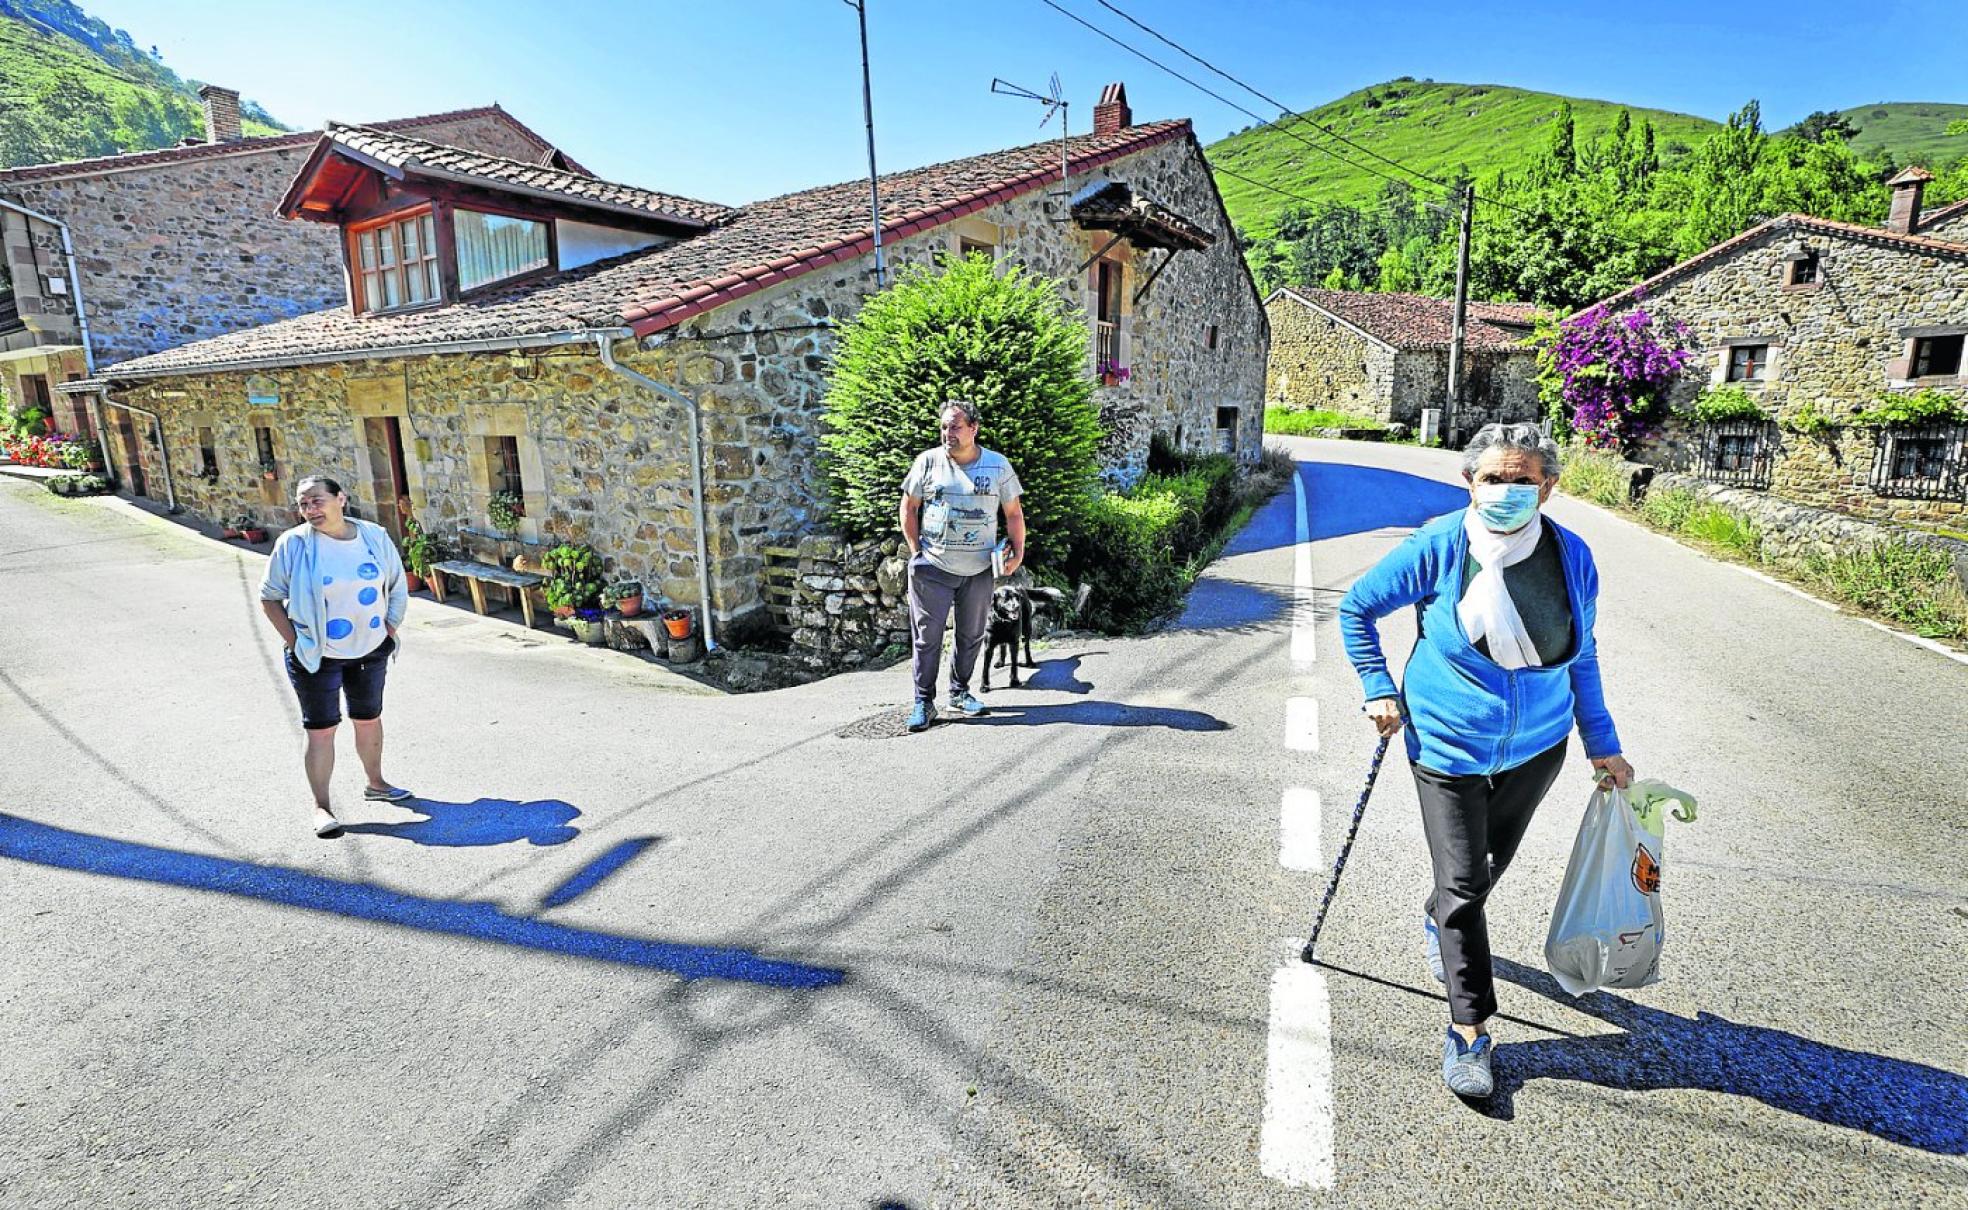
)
(478, 575)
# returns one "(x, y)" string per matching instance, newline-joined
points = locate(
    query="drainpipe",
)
(74, 278)
(163, 446)
(605, 346)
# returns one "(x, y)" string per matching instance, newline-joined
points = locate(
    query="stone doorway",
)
(389, 480)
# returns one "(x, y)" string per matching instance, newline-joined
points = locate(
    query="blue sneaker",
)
(1434, 936)
(963, 703)
(1466, 1066)
(921, 715)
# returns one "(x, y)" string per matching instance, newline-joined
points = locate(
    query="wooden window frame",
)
(1922, 349)
(449, 235)
(504, 472)
(1794, 272)
(1758, 367)
(433, 253)
(207, 437)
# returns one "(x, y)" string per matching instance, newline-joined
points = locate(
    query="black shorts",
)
(321, 693)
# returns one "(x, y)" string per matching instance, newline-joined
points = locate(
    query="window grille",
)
(1738, 453)
(1922, 462)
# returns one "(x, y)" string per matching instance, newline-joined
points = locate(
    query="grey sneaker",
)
(966, 705)
(1434, 945)
(390, 794)
(921, 715)
(1466, 1066)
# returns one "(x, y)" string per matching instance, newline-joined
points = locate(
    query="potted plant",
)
(588, 626)
(573, 579)
(677, 622)
(251, 530)
(269, 471)
(1112, 373)
(505, 510)
(421, 548)
(232, 527)
(627, 596)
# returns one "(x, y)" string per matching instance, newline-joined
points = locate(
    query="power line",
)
(1151, 60)
(1613, 236)
(1283, 109)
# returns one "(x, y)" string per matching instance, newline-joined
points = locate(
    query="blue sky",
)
(745, 99)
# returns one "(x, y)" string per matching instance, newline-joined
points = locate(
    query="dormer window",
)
(493, 247)
(395, 261)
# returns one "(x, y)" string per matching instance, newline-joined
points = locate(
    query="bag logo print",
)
(1646, 871)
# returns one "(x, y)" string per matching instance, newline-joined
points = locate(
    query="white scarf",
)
(1486, 609)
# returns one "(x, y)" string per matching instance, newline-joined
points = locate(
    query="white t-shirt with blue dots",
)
(352, 590)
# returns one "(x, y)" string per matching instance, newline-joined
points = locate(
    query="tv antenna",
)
(1055, 102)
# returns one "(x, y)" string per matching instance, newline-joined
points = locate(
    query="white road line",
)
(1918, 641)
(1303, 651)
(1296, 1143)
(1302, 724)
(1298, 829)
(1792, 589)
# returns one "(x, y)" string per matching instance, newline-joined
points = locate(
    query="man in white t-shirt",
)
(950, 504)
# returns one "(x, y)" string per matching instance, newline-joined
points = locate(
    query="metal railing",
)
(1921, 462)
(1737, 453)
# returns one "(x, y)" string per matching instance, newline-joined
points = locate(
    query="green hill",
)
(1915, 132)
(1440, 129)
(72, 87)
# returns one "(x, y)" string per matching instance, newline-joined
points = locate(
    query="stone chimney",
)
(1112, 114)
(221, 113)
(1907, 188)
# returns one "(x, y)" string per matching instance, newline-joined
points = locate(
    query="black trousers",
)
(1474, 825)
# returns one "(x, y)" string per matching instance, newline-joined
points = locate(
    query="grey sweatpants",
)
(1474, 824)
(932, 593)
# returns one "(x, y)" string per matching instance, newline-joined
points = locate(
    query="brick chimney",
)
(1907, 188)
(1112, 114)
(221, 113)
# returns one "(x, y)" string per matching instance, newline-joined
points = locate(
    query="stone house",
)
(1385, 357)
(115, 257)
(513, 328)
(1817, 320)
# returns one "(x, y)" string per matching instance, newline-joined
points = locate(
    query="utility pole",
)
(1461, 316)
(868, 112)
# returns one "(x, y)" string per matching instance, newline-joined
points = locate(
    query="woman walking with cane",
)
(1504, 666)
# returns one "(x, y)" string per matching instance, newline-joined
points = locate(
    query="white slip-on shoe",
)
(326, 826)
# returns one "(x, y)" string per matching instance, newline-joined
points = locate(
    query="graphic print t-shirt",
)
(960, 507)
(352, 596)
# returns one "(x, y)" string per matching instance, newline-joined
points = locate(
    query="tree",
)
(1606, 376)
(1008, 342)
(1822, 125)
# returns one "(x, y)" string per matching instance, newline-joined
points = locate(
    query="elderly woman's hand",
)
(1385, 714)
(1615, 767)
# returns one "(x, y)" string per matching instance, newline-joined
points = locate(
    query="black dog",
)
(1011, 622)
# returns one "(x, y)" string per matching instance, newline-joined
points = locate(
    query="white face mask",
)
(1505, 507)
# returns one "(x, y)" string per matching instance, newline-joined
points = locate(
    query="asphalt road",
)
(643, 944)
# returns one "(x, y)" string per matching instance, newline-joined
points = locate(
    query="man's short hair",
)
(965, 406)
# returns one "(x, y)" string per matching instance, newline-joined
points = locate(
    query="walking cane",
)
(1332, 884)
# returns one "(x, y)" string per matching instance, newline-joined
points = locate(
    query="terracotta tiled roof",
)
(423, 157)
(1777, 226)
(766, 243)
(301, 138)
(1418, 321)
(1943, 214)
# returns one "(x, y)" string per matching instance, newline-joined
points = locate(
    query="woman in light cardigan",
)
(1504, 666)
(335, 592)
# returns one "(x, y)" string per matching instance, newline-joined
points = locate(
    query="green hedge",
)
(1134, 548)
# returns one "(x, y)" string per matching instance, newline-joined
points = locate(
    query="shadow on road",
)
(1061, 676)
(1095, 714)
(1902, 1102)
(43, 844)
(483, 821)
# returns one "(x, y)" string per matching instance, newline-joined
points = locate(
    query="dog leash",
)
(1339, 866)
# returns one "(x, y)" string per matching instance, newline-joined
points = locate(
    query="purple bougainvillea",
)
(1613, 372)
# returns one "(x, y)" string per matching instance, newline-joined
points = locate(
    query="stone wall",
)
(605, 463)
(176, 252)
(1796, 532)
(1319, 363)
(1833, 348)
(850, 599)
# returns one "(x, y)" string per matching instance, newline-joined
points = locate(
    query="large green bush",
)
(1005, 340)
(1135, 549)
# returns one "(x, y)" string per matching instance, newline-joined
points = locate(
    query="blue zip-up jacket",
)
(293, 563)
(1468, 714)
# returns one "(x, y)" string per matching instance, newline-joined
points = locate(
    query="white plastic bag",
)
(1607, 928)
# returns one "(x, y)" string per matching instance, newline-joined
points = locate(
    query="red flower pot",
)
(630, 606)
(414, 581)
(677, 622)
(255, 536)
